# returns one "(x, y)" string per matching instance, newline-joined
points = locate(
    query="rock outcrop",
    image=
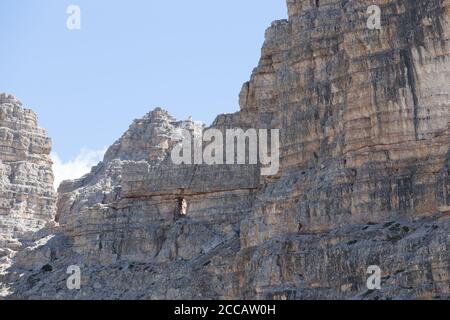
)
(27, 197)
(364, 180)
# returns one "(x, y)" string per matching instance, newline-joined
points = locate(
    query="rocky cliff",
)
(27, 198)
(364, 180)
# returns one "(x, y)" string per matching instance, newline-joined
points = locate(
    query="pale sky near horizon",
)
(87, 85)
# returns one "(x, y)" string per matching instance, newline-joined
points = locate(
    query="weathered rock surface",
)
(365, 178)
(27, 198)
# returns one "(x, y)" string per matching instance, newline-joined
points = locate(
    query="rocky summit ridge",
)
(364, 178)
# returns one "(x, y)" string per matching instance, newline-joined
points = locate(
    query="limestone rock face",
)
(27, 198)
(364, 180)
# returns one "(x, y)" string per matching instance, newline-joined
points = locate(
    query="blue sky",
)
(189, 57)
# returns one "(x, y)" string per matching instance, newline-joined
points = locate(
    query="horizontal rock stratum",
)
(364, 179)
